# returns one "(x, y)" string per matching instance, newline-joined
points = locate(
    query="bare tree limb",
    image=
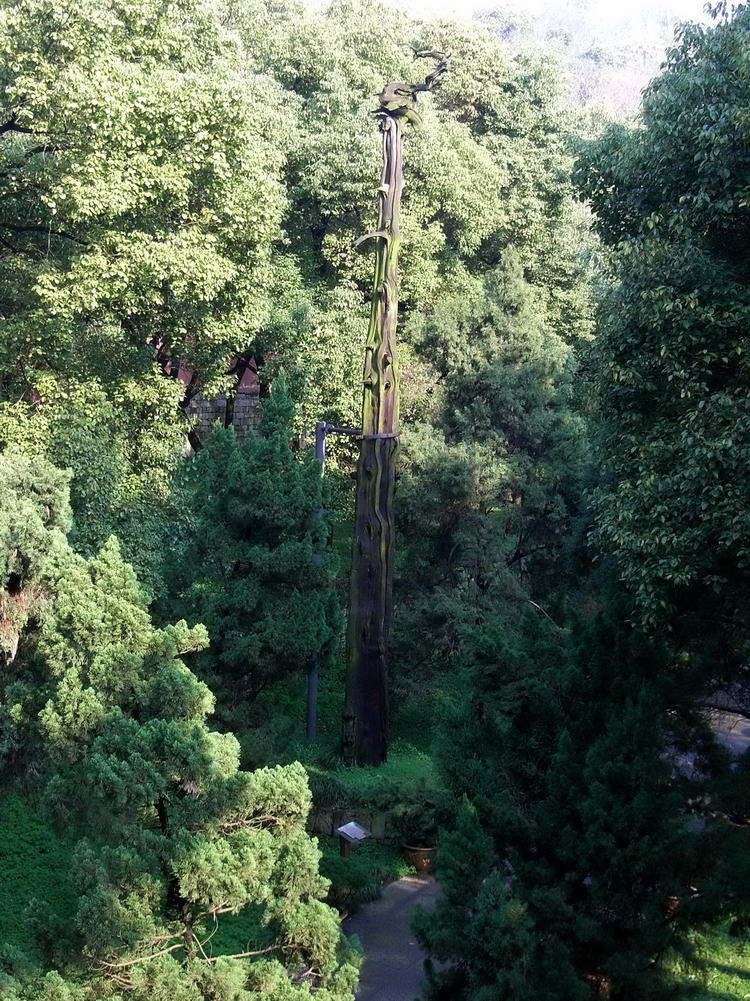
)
(245, 955)
(12, 126)
(140, 959)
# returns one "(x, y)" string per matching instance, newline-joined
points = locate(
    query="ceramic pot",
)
(420, 858)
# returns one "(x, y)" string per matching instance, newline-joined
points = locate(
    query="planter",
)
(420, 858)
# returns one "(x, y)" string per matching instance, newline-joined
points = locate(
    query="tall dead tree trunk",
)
(365, 739)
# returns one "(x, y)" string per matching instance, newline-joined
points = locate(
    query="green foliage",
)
(250, 560)
(179, 188)
(133, 149)
(36, 872)
(359, 879)
(507, 375)
(183, 184)
(671, 201)
(34, 508)
(135, 236)
(487, 497)
(176, 834)
(418, 820)
(135, 144)
(559, 874)
(484, 172)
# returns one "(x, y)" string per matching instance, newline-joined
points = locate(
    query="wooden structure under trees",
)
(366, 708)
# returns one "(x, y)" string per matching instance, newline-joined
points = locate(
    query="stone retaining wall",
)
(328, 821)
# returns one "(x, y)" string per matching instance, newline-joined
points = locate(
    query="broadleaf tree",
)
(670, 203)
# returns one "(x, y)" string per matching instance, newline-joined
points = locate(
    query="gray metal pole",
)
(321, 429)
(313, 674)
(312, 698)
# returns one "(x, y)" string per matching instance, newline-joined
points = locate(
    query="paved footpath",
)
(392, 970)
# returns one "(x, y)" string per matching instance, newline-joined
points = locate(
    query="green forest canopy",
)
(182, 184)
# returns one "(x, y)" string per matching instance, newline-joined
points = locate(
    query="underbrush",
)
(36, 863)
(408, 774)
(360, 878)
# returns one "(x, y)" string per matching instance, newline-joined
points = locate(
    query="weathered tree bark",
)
(365, 739)
(177, 907)
(366, 712)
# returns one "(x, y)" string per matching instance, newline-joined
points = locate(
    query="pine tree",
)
(252, 562)
(176, 834)
(488, 498)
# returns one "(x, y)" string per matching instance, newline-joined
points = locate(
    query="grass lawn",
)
(234, 933)
(727, 975)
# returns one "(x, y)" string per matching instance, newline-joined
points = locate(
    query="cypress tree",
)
(251, 560)
(175, 834)
(576, 869)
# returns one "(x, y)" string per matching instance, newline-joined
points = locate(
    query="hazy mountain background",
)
(609, 51)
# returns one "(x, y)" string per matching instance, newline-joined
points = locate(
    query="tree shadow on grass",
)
(732, 971)
(721, 992)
